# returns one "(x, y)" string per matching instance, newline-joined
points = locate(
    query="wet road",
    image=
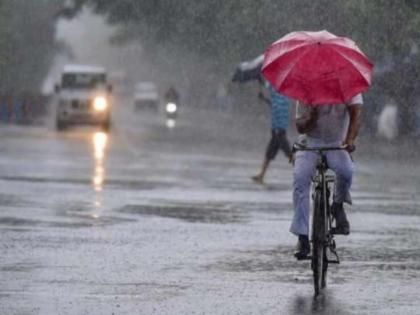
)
(151, 220)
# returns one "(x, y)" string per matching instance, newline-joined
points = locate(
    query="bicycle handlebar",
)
(301, 147)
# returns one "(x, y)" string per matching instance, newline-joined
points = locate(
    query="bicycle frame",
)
(322, 182)
(322, 230)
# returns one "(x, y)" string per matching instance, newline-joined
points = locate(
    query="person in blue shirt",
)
(279, 106)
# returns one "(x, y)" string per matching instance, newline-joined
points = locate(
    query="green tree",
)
(27, 42)
(224, 32)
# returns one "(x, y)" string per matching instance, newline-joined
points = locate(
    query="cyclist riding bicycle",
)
(324, 126)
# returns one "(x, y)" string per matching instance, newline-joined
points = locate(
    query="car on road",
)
(83, 97)
(146, 96)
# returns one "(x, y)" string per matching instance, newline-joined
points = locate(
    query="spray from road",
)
(86, 40)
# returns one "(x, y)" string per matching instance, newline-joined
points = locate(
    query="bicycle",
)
(323, 229)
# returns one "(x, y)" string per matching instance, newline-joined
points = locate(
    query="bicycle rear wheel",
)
(319, 261)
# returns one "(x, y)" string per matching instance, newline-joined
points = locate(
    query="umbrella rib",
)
(290, 51)
(339, 82)
(348, 60)
(295, 62)
(336, 70)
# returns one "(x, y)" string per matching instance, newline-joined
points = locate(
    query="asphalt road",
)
(155, 220)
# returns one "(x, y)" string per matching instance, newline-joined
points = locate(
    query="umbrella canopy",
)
(317, 67)
(248, 70)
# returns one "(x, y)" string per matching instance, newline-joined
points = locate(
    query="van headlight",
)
(100, 103)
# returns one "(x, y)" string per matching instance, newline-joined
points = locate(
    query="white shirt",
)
(332, 124)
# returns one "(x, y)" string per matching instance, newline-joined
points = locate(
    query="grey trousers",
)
(304, 169)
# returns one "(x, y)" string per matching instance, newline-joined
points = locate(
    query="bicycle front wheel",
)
(318, 267)
(319, 262)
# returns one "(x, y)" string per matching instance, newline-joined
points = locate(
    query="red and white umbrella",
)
(317, 67)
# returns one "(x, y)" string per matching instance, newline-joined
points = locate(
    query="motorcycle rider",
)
(171, 103)
(172, 96)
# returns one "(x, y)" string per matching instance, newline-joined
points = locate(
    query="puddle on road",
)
(193, 213)
(381, 257)
(278, 207)
(278, 259)
(147, 290)
(244, 184)
(81, 210)
(324, 304)
(386, 207)
(118, 183)
(67, 215)
(28, 267)
(138, 185)
(79, 181)
(15, 201)
(20, 222)
(70, 208)
(86, 221)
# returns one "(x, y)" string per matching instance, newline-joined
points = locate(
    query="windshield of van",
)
(82, 80)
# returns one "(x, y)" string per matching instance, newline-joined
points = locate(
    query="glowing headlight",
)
(171, 108)
(100, 103)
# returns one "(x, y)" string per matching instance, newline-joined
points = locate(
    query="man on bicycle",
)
(324, 126)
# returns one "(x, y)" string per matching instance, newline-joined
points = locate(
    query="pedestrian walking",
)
(279, 106)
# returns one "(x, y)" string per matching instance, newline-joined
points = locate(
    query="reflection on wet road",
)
(150, 217)
(99, 144)
(325, 304)
(99, 140)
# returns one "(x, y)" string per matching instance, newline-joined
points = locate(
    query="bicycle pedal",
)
(333, 261)
(300, 258)
(335, 231)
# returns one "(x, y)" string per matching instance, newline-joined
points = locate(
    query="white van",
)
(83, 97)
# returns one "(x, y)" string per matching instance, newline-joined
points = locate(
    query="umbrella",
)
(248, 70)
(317, 67)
